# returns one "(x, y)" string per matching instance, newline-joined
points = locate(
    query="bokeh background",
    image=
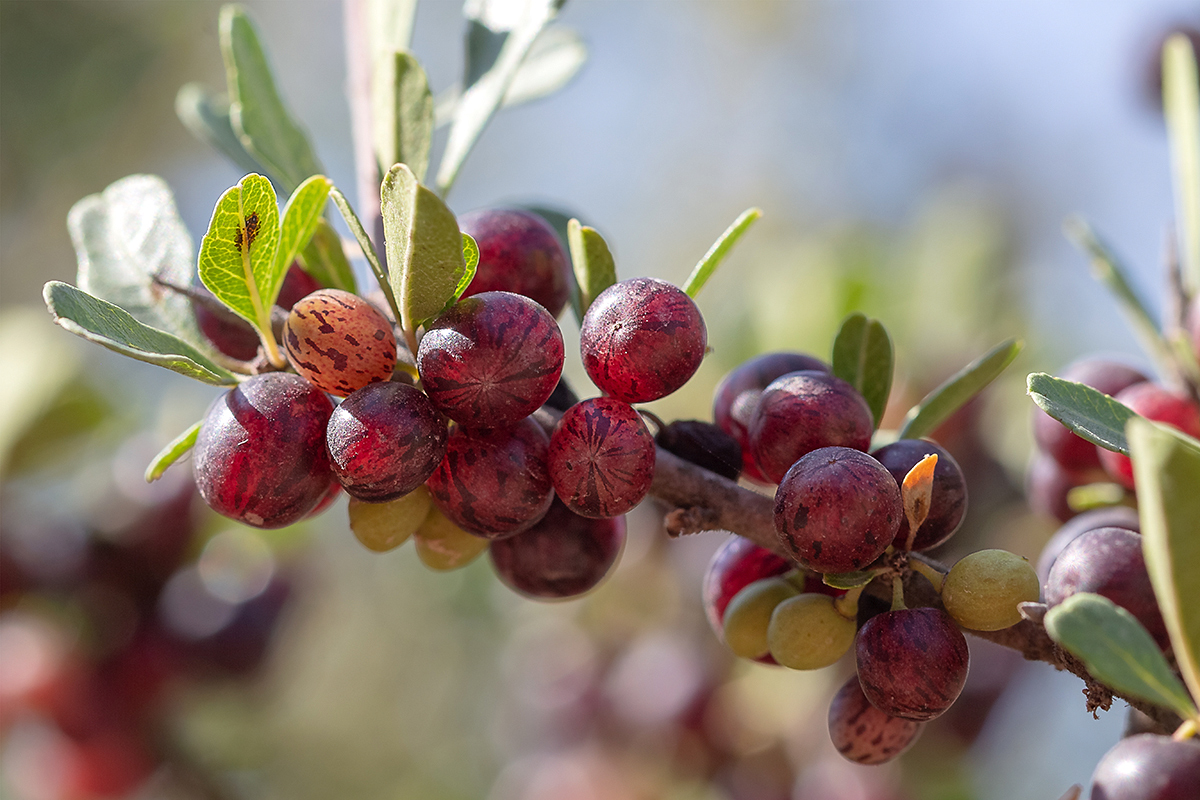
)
(913, 160)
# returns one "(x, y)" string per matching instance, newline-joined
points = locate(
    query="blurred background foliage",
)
(914, 161)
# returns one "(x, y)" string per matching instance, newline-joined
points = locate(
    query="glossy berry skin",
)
(738, 393)
(703, 444)
(601, 458)
(642, 339)
(491, 360)
(385, 440)
(1054, 439)
(339, 342)
(1108, 562)
(912, 663)
(982, 591)
(231, 334)
(801, 412)
(736, 564)
(494, 483)
(948, 504)
(260, 455)
(1148, 767)
(518, 252)
(1155, 403)
(1110, 517)
(564, 555)
(837, 510)
(864, 734)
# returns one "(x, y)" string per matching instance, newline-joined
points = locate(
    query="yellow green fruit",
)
(749, 614)
(385, 526)
(442, 545)
(807, 632)
(982, 590)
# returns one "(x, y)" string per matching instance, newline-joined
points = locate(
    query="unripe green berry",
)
(982, 590)
(385, 526)
(807, 632)
(749, 614)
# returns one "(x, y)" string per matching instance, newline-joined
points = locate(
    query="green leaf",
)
(424, 248)
(237, 256)
(972, 379)
(593, 264)
(1107, 269)
(402, 113)
(207, 118)
(486, 89)
(259, 117)
(106, 324)
(1117, 651)
(863, 358)
(324, 259)
(1088, 413)
(555, 58)
(471, 258)
(366, 245)
(126, 236)
(178, 447)
(1166, 466)
(301, 217)
(716, 254)
(1181, 104)
(848, 580)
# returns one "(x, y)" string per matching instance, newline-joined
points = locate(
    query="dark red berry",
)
(1072, 452)
(1110, 517)
(1156, 403)
(518, 252)
(260, 455)
(642, 339)
(864, 734)
(802, 411)
(948, 503)
(912, 663)
(1048, 484)
(385, 440)
(494, 483)
(736, 564)
(1148, 767)
(837, 510)
(339, 341)
(601, 458)
(491, 360)
(563, 555)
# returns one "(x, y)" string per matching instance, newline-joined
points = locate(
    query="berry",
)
(491, 360)
(912, 663)
(1110, 517)
(601, 458)
(518, 252)
(837, 510)
(1056, 440)
(1108, 562)
(381, 527)
(749, 615)
(260, 455)
(1156, 403)
(231, 334)
(948, 505)
(1047, 484)
(441, 545)
(802, 411)
(807, 632)
(704, 444)
(339, 342)
(738, 393)
(563, 555)
(494, 483)
(864, 734)
(736, 564)
(1148, 767)
(642, 339)
(385, 440)
(982, 590)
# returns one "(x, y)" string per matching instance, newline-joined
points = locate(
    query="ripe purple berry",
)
(948, 503)
(520, 253)
(260, 454)
(601, 458)
(385, 440)
(864, 734)
(642, 339)
(912, 663)
(1148, 767)
(492, 360)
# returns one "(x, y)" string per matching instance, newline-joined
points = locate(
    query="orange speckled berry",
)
(339, 342)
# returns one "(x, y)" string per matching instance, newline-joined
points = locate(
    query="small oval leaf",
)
(325, 259)
(716, 254)
(207, 118)
(1088, 413)
(301, 217)
(1117, 650)
(592, 263)
(863, 357)
(471, 259)
(366, 245)
(952, 395)
(402, 112)
(175, 450)
(111, 326)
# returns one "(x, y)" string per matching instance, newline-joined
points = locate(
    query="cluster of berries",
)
(846, 517)
(101, 625)
(457, 460)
